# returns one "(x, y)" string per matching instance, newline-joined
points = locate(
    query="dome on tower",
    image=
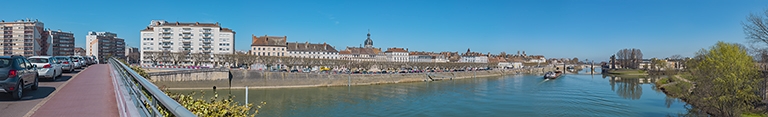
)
(368, 42)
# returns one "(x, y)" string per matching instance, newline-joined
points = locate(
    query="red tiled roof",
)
(309, 47)
(368, 51)
(396, 50)
(269, 40)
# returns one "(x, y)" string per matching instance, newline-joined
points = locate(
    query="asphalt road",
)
(30, 99)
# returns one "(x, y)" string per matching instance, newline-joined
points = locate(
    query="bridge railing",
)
(146, 96)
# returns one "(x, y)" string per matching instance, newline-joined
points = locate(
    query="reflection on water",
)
(519, 95)
(629, 87)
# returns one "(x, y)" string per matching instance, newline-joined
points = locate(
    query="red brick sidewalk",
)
(89, 94)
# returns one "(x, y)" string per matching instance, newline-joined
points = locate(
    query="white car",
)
(78, 62)
(47, 66)
(66, 63)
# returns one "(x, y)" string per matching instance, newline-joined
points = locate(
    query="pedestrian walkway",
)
(89, 94)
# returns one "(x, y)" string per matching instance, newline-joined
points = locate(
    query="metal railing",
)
(146, 95)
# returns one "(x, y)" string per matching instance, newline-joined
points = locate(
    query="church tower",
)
(368, 42)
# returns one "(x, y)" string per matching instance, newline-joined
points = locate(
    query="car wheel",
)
(55, 76)
(34, 86)
(18, 93)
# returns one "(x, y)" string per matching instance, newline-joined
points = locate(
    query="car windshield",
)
(38, 60)
(5, 63)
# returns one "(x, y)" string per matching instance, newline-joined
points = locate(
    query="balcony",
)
(207, 36)
(207, 46)
(166, 40)
(186, 40)
(207, 31)
(166, 36)
(166, 46)
(186, 36)
(207, 41)
(186, 45)
(207, 50)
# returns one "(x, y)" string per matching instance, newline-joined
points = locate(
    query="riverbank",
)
(261, 79)
(678, 86)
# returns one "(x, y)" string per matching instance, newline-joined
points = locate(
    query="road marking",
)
(53, 94)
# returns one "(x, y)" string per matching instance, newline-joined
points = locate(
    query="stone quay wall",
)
(262, 79)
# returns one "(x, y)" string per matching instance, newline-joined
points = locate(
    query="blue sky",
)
(587, 29)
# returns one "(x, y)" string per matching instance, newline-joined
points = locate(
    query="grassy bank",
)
(628, 72)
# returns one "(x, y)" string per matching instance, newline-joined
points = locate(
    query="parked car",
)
(17, 74)
(78, 62)
(66, 64)
(47, 66)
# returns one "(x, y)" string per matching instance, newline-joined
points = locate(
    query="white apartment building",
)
(473, 59)
(419, 58)
(269, 45)
(397, 55)
(309, 50)
(194, 37)
(104, 45)
(25, 37)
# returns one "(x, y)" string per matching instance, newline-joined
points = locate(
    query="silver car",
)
(47, 66)
(77, 61)
(66, 63)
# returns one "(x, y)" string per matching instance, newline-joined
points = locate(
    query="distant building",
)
(269, 45)
(366, 53)
(193, 37)
(104, 45)
(397, 55)
(419, 58)
(25, 37)
(474, 59)
(133, 55)
(79, 51)
(309, 50)
(63, 43)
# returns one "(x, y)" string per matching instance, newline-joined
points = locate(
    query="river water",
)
(515, 95)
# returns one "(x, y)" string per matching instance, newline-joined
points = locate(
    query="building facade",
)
(310, 50)
(474, 59)
(25, 37)
(419, 58)
(397, 55)
(269, 45)
(132, 55)
(103, 45)
(174, 37)
(63, 43)
(79, 51)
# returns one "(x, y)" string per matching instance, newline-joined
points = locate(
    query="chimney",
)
(197, 23)
(177, 22)
(406, 49)
(306, 44)
(325, 46)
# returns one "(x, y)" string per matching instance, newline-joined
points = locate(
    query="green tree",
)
(726, 80)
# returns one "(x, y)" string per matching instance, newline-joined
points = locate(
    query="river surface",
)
(516, 95)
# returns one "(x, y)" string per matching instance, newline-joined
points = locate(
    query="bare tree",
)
(630, 58)
(179, 57)
(756, 30)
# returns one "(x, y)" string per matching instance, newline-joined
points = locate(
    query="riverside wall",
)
(261, 79)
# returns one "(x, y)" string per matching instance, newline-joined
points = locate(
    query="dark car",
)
(17, 74)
